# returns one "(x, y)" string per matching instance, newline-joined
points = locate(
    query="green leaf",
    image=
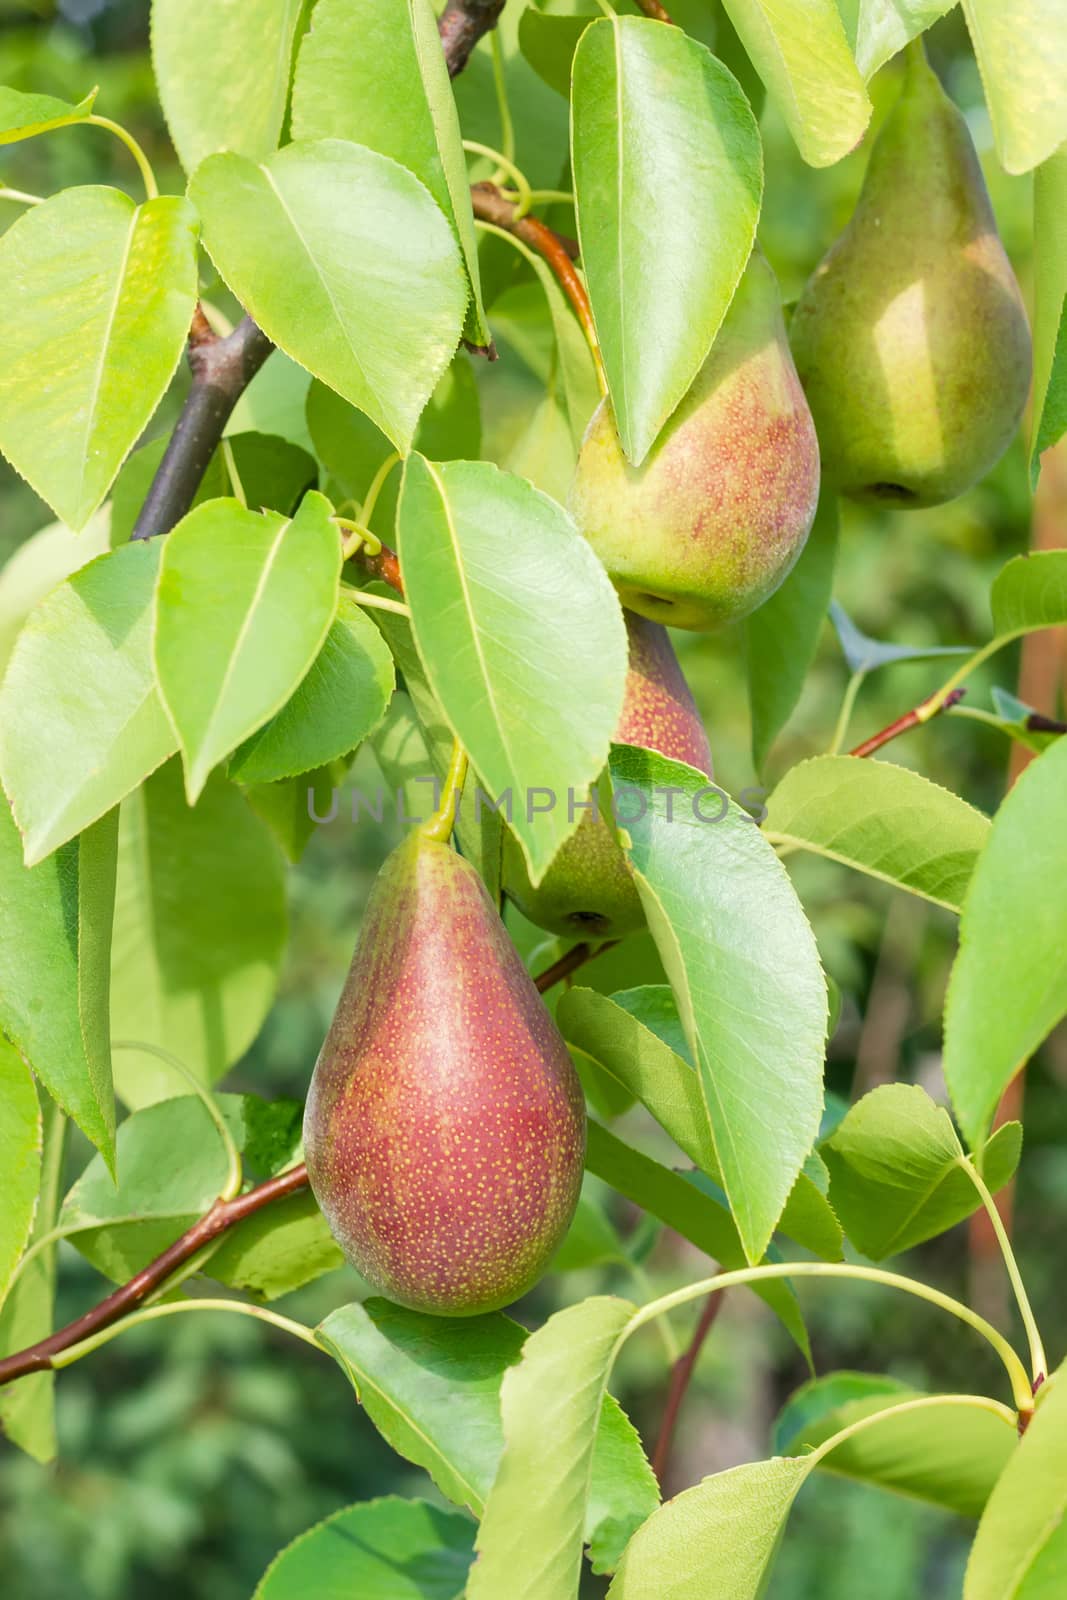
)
(44, 560)
(1029, 593)
(1050, 308)
(950, 1456)
(223, 73)
(346, 263)
(274, 475)
(81, 721)
(510, 608)
(393, 95)
(591, 1240)
(1021, 47)
(883, 820)
(355, 1552)
(23, 115)
(98, 294)
(877, 29)
(200, 926)
(716, 1541)
(800, 51)
(898, 1173)
(530, 1544)
(244, 604)
(27, 1409)
(864, 654)
(782, 635)
(668, 191)
(49, 1009)
(683, 1206)
(548, 40)
(745, 973)
(20, 1158)
(1008, 988)
(339, 702)
(1020, 1549)
(277, 1250)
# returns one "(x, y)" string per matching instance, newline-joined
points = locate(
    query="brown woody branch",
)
(910, 719)
(681, 1373)
(462, 23)
(224, 1215)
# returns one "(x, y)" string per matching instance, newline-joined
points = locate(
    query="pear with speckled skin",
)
(711, 522)
(911, 339)
(445, 1125)
(589, 891)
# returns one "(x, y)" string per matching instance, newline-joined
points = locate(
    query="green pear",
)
(712, 521)
(445, 1125)
(910, 339)
(588, 891)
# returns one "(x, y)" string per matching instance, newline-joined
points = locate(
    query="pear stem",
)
(439, 827)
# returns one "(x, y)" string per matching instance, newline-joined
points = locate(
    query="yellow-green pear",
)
(910, 339)
(712, 521)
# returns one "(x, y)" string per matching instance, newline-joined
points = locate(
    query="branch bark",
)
(681, 1373)
(910, 719)
(462, 23)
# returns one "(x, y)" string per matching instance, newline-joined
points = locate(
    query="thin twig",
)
(652, 8)
(681, 1373)
(910, 719)
(462, 23)
(569, 963)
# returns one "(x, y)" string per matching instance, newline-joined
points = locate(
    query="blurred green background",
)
(192, 1451)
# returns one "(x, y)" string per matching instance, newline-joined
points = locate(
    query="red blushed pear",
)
(710, 523)
(445, 1125)
(589, 891)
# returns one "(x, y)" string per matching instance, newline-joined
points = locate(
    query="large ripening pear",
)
(589, 892)
(445, 1125)
(710, 523)
(910, 339)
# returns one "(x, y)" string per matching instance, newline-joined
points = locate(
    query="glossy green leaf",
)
(1021, 47)
(54, 1014)
(884, 820)
(530, 1546)
(20, 1157)
(668, 189)
(716, 1541)
(1008, 988)
(877, 29)
(38, 565)
(1030, 592)
(782, 635)
(27, 1408)
(200, 927)
(1050, 307)
(950, 1456)
(277, 1250)
(898, 1174)
(223, 73)
(510, 608)
(274, 475)
(548, 40)
(591, 1240)
(745, 973)
(355, 1552)
(81, 721)
(1020, 1552)
(347, 263)
(244, 605)
(23, 115)
(339, 702)
(393, 95)
(98, 294)
(800, 51)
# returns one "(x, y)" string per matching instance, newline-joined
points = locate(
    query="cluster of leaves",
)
(168, 705)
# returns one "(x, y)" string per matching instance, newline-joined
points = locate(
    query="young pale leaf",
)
(1020, 1551)
(781, 636)
(20, 1158)
(244, 604)
(355, 1553)
(98, 294)
(81, 721)
(346, 262)
(45, 559)
(801, 53)
(1030, 592)
(883, 820)
(898, 1174)
(392, 95)
(23, 115)
(510, 608)
(27, 1408)
(668, 191)
(48, 1009)
(338, 703)
(199, 931)
(877, 29)
(223, 73)
(1021, 47)
(950, 1456)
(530, 1546)
(716, 1541)
(745, 973)
(1008, 988)
(1050, 307)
